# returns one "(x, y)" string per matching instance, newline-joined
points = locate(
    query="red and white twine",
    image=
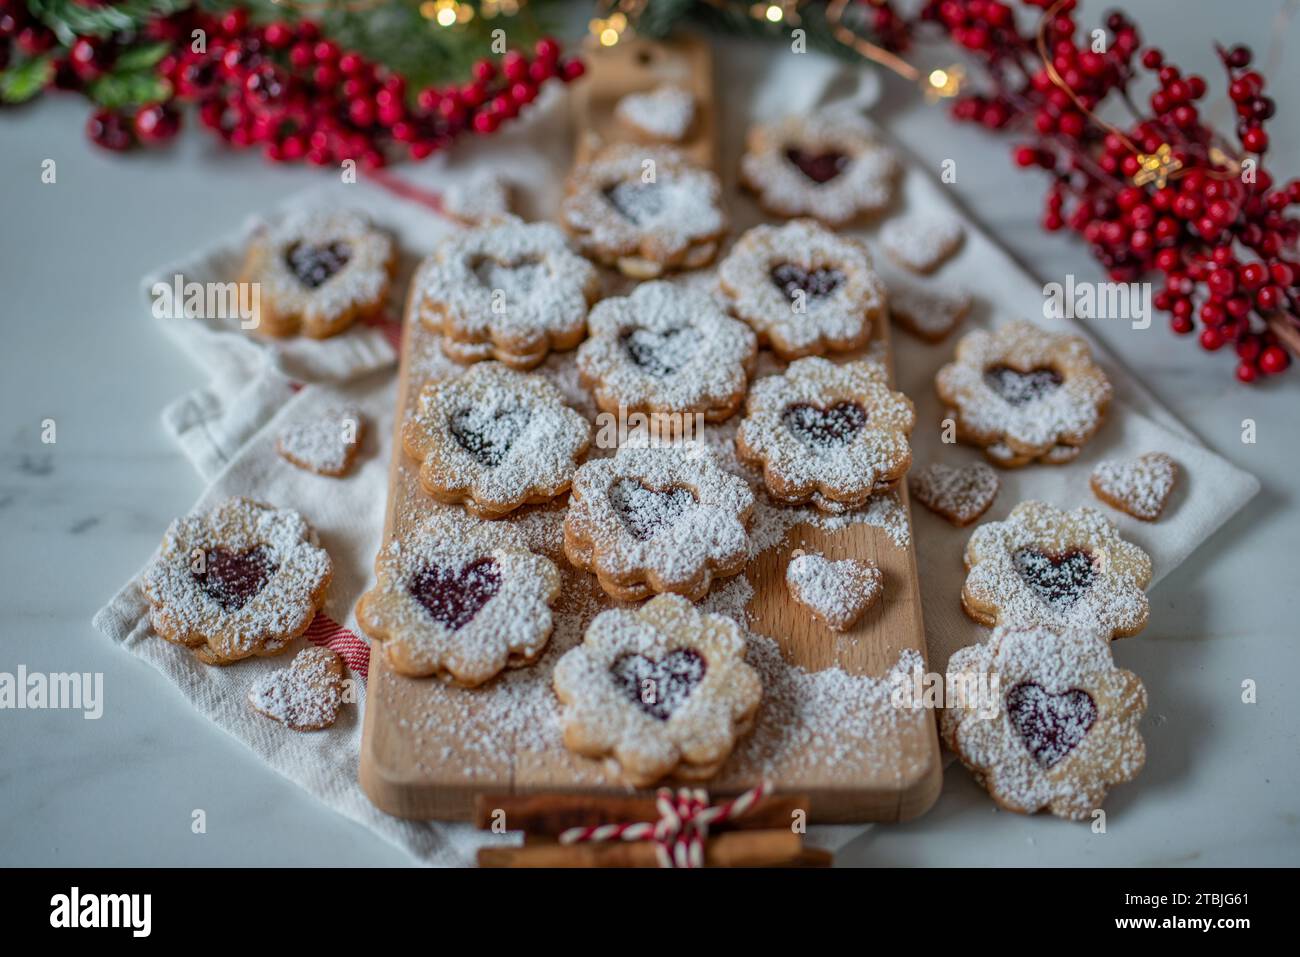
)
(683, 826)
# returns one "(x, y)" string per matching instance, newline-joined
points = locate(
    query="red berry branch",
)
(283, 87)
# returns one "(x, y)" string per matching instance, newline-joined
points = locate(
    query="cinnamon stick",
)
(771, 848)
(556, 813)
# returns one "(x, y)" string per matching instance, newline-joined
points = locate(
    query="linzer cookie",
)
(460, 600)
(1056, 725)
(836, 592)
(662, 690)
(659, 519)
(828, 434)
(1043, 566)
(494, 439)
(960, 495)
(325, 443)
(827, 165)
(511, 291)
(645, 210)
(242, 579)
(304, 696)
(802, 288)
(1024, 389)
(662, 115)
(1141, 487)
(666, 349)
(318, 272)
(921, 242)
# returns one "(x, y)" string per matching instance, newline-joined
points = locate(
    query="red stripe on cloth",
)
(400, 187)
(390, 327)
(325, 632)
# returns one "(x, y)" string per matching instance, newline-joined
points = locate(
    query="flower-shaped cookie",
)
(1043, 566)
(1024, 388)
(828, 434)
(1047, 720)
(659, 519)
(510, 291)
(802, 288)
(666, 349)
(460, 599)
(242, 579)
(494, 439)
(646, 210)
(828, 165)
(663, 689)
(317, 272)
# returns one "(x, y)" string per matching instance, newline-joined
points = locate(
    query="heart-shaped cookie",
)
(454, 596)
(921, 242)
(660, 687)
(662, 115)
(960, 494)
(325, 444)
(1140, 487)
(233, 578)
(1050, 725)
(836, 592)
(304, 696)
(826, 428)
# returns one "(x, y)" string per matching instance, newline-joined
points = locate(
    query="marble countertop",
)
(1222, 779)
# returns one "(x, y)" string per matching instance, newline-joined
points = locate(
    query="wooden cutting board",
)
(422, 752)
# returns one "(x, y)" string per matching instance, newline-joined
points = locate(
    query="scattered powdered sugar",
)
(664, 113)
(666, 349)
(959, 494)
(921, 241)
(1140, 487)
(1063, 725)
(325, 443)
(837, 592)
(304, 696)
(802, 287)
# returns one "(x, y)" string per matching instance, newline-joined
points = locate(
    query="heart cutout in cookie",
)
(314, 264)
(636, 202)
(659, 354)
(454, 596)
(488, 435)
(1059, 580)
(660, 687)
(304, 696)
(813, 283)
(1050, 725)
(823, 429)
(1140, 487)
(818, 167)
(1021, 388)
(960, 494)
(516, 279)
(233, 578)
(646, 511)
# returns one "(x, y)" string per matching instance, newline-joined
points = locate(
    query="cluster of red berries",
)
(293, 93)
(1217, 229)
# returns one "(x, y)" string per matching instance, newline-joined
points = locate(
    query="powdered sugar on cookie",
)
(325, 443)
(836, 592)
(921, 241)
(304, 696)
(961, 495)
(664, 114)
(1140, 487)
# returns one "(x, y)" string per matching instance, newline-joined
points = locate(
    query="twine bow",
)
(683, 826)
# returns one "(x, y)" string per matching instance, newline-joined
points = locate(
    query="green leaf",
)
(118, 90)
(69, 19)
(22, 82)
(140, 58)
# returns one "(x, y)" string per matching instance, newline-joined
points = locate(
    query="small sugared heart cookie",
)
(1140, 487)
(836, 592)
(1044, 719)
(959, 494)
(662, 115)
(921, 242)
(325, 444)
(304, 696)
(929, 309)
